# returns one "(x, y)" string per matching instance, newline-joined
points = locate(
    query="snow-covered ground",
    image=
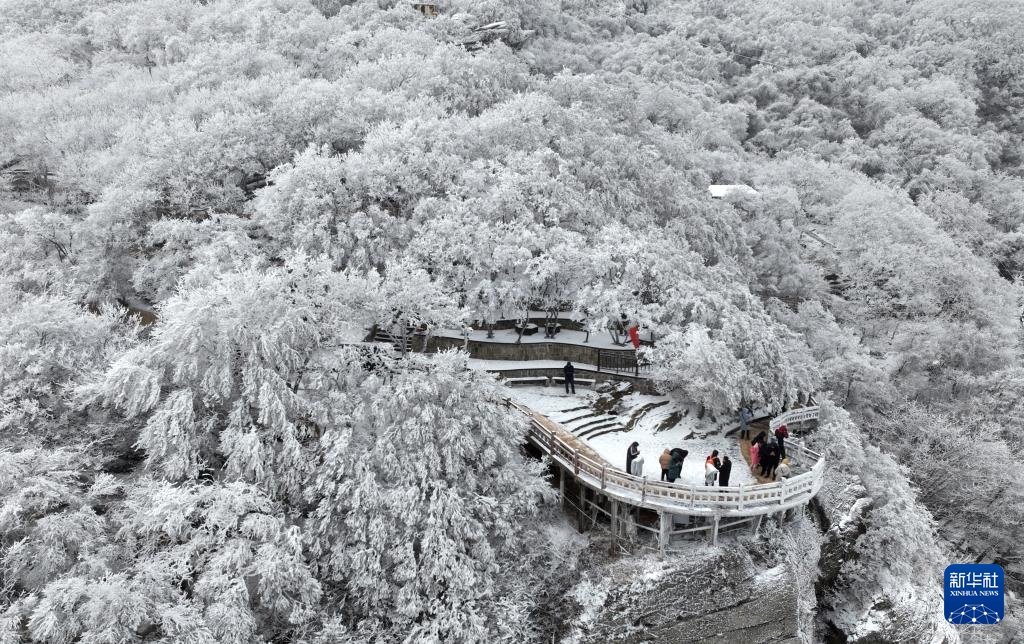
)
(658, 422)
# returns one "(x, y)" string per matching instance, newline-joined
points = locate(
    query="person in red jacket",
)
(634, 336)
(782, 433)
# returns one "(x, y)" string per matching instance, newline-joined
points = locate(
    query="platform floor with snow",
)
(611, 421)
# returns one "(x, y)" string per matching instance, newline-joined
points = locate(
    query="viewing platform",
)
(683, 511)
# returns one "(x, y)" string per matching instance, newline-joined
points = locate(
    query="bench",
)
(582, 382)
(530, 380)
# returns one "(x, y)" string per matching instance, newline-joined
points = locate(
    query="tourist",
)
(638, 466)
(713, 459)
(760, 438)
(770, 459)
(745, 417)
(710, 472)
(782, 433)
(755, 456)
(784, 471)
(631, 453)
(665, 460)
(762, 457)
(570, 376)
(675, 465)
(724, 471)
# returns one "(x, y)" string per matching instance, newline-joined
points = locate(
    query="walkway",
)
(613, 487)
(799, 415)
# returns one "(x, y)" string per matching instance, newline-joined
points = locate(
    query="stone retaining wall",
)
(482, 350)
(640, 385)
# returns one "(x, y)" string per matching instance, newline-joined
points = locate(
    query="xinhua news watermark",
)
(973, 594)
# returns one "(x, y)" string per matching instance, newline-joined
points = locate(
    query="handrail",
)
(734, 499)
(798, 415)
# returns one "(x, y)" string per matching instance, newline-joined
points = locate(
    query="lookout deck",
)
(606, 489)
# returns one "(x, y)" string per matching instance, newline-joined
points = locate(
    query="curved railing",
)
(694, 500)
(798, 415)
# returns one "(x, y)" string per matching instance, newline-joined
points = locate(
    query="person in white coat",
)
(638, 466)
(710, 473)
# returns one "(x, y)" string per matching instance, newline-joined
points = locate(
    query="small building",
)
(722, 190)
(428, 9)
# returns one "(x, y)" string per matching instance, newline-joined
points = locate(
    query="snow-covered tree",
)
(701, 369)
(87, 558)
(218, 383)
(48, 346)
(424, 504)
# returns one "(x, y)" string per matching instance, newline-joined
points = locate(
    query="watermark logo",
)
(974, 594)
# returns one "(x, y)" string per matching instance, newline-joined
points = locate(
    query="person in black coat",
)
(769, 460)
(631, 453)
(781, 434)
(675, 465)
(724, 471)
(570, 377)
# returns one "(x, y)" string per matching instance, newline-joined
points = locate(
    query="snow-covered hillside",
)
(232, 234)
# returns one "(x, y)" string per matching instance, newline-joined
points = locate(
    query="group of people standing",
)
(716, 468)
(671, 461)
(767, 452)
(767, 456)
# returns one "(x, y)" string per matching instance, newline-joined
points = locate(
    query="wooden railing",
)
(686, 499)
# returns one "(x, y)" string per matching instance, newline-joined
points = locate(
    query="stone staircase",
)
(395, 340)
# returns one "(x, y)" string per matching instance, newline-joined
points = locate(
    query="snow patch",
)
(698, 437)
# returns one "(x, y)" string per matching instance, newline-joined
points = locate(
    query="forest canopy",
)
(265, 180)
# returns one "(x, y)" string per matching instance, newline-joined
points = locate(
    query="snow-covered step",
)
(597, 430)
(598, 420)
(394, 340)
(610, 430)
(570, 419)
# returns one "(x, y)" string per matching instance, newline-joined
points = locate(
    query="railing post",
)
(740, 502)
(643, 491)
(604, 467)
(561, 487)
(576, 461)
(614, 523)
(664, 526)
(693, 495)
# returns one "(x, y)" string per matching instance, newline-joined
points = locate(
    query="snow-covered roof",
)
(720, 190)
